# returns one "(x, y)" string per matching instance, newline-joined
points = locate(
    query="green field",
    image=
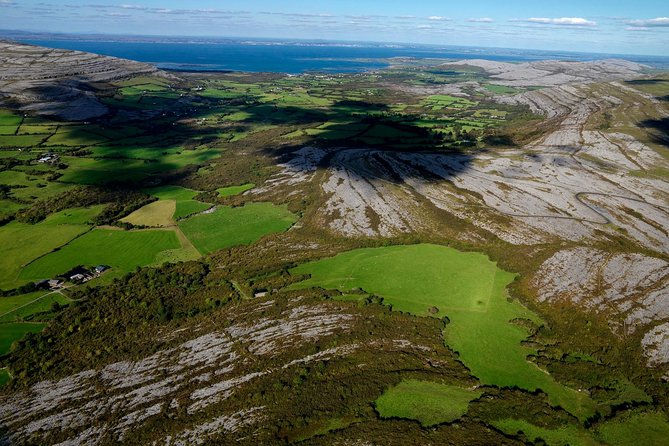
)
(629, 429)
(9, 304)
(231, 226)
(23, 243)
(565, 436)
(234, 190)
(635, 429)
(500, 89)
(4, 377)
(31, 308)
(9, 207)
(9, 118)
(436, 281)
(28, 187)
(11, 332)
(122, 250)
(428, 402)
(75, 216)
(438, 102)
(97, 170)
(156, 214)
(184, 198)
(21, 140)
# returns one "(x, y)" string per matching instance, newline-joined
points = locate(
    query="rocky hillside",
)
(58, 82)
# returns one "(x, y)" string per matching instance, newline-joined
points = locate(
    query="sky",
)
(609, 26)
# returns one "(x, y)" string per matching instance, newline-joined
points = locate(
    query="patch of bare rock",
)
(632, 286)
(549, 73)
(191, 384)
(56, 82)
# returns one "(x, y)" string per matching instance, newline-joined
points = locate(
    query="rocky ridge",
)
(57, 82)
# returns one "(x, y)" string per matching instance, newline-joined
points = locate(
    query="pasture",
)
(628, 429)
(42, 303)
(97, 171)
(641, 428)
(156, 214)
(231, 226)
(27, 187)
(234, 190)
(14, 331)
(9, 304)
(468, 288)
(427, 402)
(500, 89)
(439, 102)
(185, 204)
(564, 436)
(23, 243)
(122, 250)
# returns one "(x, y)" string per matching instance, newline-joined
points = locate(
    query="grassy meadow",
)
(231, 226)
(24, 243)
(157, 214)
(122, 250)
(234, 190)
(635, 428)
(427, 402)
(468, 289)
(14, 331)
(185, 204)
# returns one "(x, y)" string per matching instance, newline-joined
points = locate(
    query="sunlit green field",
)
(649, 428)
(185, 204)
(428, 402)
(469, 289)
(231, 226)
(234, 190)
(23, 243)
(158, 213)
(122, 250)
(41, 302)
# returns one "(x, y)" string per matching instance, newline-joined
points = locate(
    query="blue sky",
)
(612, 26)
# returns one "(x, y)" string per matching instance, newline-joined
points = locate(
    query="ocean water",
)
(294, 58)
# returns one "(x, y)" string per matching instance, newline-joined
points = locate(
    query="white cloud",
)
(438, 18)
(568, 21)
(481, 20)
(660, 21)
(136, 7)
(424, 26)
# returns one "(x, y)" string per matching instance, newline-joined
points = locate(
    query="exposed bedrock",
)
(634, 287)
(571, 184)
(57, 82)
(192, 384)
(549, 73)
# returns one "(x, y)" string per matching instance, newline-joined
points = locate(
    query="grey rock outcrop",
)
(57, 82)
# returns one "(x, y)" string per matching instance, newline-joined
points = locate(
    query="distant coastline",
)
(204, 54)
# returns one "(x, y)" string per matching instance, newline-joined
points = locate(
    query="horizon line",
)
(315, 40)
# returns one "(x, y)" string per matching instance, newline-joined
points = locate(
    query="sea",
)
(300, 57)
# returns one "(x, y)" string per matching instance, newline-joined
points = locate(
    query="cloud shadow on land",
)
(659, 130)
(367, 140)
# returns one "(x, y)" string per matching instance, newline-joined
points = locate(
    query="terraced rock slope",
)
(57, 82)
(578, 183)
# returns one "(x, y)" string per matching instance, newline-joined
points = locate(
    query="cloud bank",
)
(566, 21)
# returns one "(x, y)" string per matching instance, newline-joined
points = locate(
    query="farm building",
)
(101, 268)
